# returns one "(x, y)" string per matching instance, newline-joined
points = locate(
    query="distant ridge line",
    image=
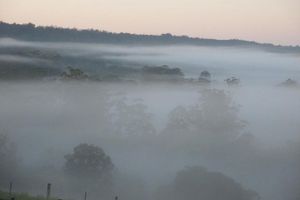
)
(32, 32)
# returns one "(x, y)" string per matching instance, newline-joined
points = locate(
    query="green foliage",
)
(21, 196)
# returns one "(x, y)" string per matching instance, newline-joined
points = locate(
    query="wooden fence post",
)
(48, 190)
(10, 189)
(85, 195)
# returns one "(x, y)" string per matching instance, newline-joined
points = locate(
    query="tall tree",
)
(199, 183)
(88, 161)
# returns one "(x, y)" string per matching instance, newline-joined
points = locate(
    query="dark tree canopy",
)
(74, 74)
(198, 183)
(210, 124)
(289, 83)
(88, 161)
(164, 69)
(204, 77)
(232, 81)
(163, 72)
(49, 33)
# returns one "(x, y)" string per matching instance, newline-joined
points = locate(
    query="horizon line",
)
(143, 34)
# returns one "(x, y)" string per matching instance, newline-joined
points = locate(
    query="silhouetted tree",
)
(289, 83)
(89, 169)
(132, 119)
(211, 123)
(198, 183)
(232, 81)
(74, 74)
(204, 77)
(50, 33)
(163, 72)
(88, 161)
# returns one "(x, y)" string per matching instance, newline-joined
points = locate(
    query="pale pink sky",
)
(275, 21)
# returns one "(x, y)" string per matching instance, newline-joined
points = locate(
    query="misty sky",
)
(275, 21)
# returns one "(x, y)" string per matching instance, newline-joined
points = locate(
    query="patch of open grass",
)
(20, 196)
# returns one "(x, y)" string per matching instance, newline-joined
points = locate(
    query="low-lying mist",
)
(165, 139)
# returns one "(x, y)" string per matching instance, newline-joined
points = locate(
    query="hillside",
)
(31, 32)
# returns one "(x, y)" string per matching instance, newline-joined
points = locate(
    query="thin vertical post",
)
(10, 189)
(85, 195)
(48, 190)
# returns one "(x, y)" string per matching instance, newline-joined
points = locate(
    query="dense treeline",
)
(49, 33)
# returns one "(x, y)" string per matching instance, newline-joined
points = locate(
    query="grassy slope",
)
(20, 196)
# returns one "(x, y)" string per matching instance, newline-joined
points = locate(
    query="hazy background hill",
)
(50, 34)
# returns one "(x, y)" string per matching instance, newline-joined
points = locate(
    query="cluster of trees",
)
(209, 124)
(89, 167)
(214, 121)
(49, 33)
(91, 162)
(207, 127)
(232, 81)
(210, 128)
(205, 77)
(74, 74)
(199, 183)
(289, 83)
(163, 72)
